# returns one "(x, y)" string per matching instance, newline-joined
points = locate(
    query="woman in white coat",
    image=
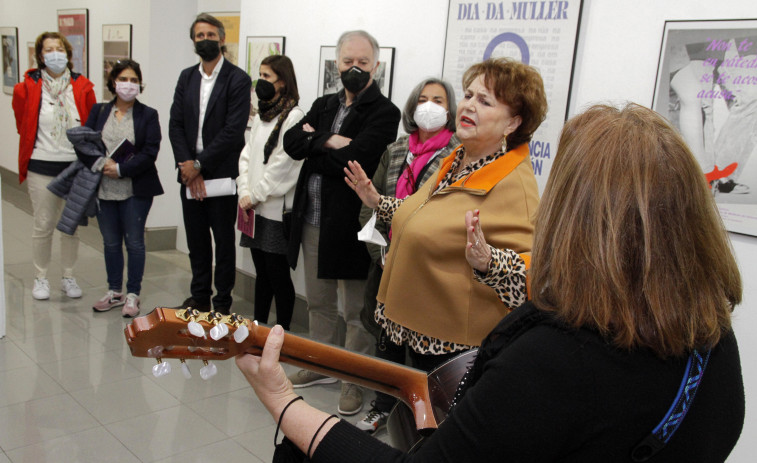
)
(267, 177)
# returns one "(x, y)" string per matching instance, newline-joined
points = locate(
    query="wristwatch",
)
(197, 165)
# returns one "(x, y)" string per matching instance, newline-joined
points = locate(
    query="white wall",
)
(617, 60)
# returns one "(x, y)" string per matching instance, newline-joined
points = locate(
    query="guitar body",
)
(443, 382)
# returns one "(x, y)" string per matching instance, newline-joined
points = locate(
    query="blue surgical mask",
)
(56, 61)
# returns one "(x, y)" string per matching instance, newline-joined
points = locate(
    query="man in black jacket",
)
(355, 124)
(208, 119)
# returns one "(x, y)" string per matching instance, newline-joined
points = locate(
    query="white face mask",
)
(127, 91)
(56, 61)
(430, 116)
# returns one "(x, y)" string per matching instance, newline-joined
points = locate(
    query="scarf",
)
(267, 111)
(62, 106)
(420, 155)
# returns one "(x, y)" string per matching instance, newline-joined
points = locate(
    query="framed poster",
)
(230, 22)
(541, 34)
(328, 75)
(707, 87)
(74, 25)
(260, 47)
(116, 46)
(31, 56)
(9, 39)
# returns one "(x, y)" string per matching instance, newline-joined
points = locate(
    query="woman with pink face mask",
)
(131, 134)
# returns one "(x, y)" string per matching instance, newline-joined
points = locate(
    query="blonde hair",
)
(628, 238)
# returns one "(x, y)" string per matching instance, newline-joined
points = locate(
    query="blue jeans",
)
(123, 222)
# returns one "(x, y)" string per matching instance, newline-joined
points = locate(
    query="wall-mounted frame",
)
(706, 86)
(116, 46)
(541, 34)
(31, 58)
(259, 47)
(230, 21)
(9, 38)
(74, 25)
(328, 74)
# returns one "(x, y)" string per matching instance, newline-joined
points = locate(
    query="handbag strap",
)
(661, 434)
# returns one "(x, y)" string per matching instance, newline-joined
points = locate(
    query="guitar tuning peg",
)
(185, 369)
(219, 331)
(161, 369)
(196, 329)
(241, 333)
(208, 371)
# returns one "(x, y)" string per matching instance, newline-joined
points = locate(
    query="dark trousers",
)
(387, 350)
(123, 222)
(273, 281)
(200, 218)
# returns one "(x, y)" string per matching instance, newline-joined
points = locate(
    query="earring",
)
(504, 143)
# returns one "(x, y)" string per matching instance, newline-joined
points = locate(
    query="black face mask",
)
(208, 49)
(265, 90)
(355, 79)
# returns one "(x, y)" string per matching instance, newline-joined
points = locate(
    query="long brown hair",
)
(628, 238)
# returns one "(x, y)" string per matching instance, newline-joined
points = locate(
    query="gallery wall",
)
(616, 60)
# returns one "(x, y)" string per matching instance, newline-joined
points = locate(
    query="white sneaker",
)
(70, 287)
(131, 308)
(41, 289)
(373, 421)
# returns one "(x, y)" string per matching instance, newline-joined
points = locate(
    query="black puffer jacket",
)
(78, 184)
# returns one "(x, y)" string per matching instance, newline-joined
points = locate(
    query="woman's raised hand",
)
(356, 178)
(477, 252)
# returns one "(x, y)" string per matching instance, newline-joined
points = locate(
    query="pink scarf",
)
(422, 154)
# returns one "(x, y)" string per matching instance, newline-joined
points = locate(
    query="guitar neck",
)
(161, 334)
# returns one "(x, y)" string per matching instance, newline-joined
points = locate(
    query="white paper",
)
(369, 234)
(217, 187)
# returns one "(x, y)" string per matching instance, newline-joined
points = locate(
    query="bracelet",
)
(278, 425)
(312, 441)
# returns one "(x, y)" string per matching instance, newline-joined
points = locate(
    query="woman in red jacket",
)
(50, 100)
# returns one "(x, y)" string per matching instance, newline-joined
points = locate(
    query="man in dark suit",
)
(208, 118)
(355, 124)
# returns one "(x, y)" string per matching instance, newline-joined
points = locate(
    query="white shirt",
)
(206, 88)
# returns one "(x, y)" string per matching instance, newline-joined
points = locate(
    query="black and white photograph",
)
(707, 87)
(328, 76)
(9, 37)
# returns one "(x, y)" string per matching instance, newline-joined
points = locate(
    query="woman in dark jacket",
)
(131, 133)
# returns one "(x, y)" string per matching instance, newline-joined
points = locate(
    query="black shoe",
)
(223, 310)
(193, 303)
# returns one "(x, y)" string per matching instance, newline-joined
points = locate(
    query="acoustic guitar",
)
(190, 334)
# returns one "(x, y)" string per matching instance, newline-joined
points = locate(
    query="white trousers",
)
(47, 209)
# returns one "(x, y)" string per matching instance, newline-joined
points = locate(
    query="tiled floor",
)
(71, 392)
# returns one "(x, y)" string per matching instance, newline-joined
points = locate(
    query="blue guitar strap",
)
(661, 434)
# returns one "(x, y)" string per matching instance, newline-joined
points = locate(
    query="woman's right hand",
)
(358, 180)
(245, 202)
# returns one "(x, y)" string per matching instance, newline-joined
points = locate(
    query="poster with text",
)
(707, 87)
(73, 24)
(116, 46)
(230, 23)
(542, 34)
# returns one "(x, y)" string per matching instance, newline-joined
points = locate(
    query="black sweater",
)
(556, 394)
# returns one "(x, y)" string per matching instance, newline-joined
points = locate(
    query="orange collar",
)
(489, 175)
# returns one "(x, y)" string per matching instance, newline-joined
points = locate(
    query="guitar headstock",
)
(191, 334)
